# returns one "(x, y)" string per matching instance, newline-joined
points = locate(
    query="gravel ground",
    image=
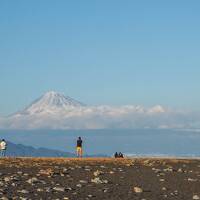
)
(99, 179)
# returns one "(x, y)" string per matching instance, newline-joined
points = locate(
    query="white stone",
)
(196, 197)
(137, 190)
(59, 189)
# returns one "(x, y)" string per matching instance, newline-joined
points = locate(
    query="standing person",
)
(3, 146)
(79, 149)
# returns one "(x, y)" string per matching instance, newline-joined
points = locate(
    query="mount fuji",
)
(51, 103)
(56, 111)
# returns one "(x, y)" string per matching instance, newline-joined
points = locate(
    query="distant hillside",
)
(28, 151)
(19, 150)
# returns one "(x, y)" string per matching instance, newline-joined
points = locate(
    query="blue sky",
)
(100, 52)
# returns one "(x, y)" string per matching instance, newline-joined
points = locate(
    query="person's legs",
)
(3, 153)
(81, 152)
(78, 151)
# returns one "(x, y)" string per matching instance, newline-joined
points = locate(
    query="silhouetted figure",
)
(116, 155)
(79, 148)
(121, 155)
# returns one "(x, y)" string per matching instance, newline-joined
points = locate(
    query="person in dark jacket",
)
(79, 147)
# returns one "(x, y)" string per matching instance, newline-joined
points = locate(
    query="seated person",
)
(121, 155)
(116, 155)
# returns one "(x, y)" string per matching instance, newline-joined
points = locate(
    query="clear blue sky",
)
(100, 52)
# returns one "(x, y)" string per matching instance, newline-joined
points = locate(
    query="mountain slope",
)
(52, 102)
(28, 151)
(19, 150)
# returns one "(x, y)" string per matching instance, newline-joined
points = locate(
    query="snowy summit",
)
(52, 102)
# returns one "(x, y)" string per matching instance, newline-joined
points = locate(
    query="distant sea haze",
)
(136, 142)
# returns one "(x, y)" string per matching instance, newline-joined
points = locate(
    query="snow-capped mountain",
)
(52, 102)
(56, 111)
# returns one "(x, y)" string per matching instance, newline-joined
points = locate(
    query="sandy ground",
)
(99, 179)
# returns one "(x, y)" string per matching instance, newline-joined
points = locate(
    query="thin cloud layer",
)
(103, 117)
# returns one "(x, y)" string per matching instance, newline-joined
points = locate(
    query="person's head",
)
(79, 138)
(3, 140)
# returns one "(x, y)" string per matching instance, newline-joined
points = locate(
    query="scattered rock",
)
(79, 185)
(196, 197)
(59, 189)
(7, 179)
(14, 184)
(23, 191)
(23, 198)
(47, 172)
(33, 180)
(4, 198)
(83, 182)
(168, 170)
(40, 190)
(97, 180)
(137, 190)
(180, 170)
(69, 189)
(192, 180)
(97, 173)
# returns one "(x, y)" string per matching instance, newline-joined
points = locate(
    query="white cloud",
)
(102, 117)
